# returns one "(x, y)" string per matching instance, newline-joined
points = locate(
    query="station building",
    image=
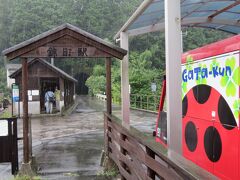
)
(43, 76)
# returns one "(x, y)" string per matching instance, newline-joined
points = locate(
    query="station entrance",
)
(46, 85)
(81, 88)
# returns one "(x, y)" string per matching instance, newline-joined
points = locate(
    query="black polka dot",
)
(202, 93)
(184, 106)
(191, 136)
(225, 114)
(212, 144)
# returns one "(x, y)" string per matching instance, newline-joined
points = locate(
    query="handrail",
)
(137, 101)
(138, 151)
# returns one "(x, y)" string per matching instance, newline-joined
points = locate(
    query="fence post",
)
(150, 172)
(123, 151)
(147, 103)
(106, 145)
(25, 110)
(135, 101)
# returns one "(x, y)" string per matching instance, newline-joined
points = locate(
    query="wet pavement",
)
(70, 147)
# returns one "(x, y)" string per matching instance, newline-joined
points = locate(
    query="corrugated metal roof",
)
(216, 14)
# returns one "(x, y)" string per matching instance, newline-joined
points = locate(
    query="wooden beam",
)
(125, 82)
(34, 45)
(224, 9)
(108, 85)
(110, 51)
(66, 51)
(173, 75)
(40, 47)
(25, 110)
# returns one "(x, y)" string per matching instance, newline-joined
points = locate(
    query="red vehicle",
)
(211, 108)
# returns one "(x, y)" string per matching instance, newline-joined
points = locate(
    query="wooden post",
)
(108, 85)
(124, 152)
(173, 75)
(150, 172)
(125, 82)
(109, 103)
(25, 110)
(106, 143)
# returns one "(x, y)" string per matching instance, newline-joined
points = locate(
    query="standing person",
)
(57, 97)
(49, 100)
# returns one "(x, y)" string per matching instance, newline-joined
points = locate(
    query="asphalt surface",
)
(70, 147)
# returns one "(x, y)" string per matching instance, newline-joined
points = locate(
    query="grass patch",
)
(71, 174)
(108, 174)
(18, 177)
(5, 114)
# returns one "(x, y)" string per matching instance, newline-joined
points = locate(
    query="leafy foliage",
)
(21, 20)
(97, 82)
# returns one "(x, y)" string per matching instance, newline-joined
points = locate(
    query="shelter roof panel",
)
(235, 9)
(200, 14)
(185, 2)
(149, 16)
(157, 5)
(228, 15)
(230, 28)
(214, 6)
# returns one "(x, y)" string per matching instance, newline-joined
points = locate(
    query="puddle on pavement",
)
(76, 157)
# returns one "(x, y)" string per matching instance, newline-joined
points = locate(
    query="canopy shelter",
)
(171, 16)
(65, 41)
(215, 14)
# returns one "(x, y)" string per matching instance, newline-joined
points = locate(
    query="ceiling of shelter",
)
(216, 14)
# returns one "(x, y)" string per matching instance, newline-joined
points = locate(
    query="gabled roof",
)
(215, 14)
(59, 32)
(47, 65)
(13, 66)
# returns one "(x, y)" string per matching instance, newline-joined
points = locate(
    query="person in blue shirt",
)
(49, 100)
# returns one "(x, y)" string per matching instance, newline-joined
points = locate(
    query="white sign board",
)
(35, 92)
(154, 87)
(15, 93)
(4, 128)
(30, 98)
(29, 92)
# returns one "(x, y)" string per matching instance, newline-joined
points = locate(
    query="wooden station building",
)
(65, 41)
(43, 76)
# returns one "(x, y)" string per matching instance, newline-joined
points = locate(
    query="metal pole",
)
(12, 100)
(19, 103)
(125, 82)
(25, 110)
(52, 61)
(173, 74)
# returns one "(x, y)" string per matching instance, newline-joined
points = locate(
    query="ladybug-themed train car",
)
(211, 107)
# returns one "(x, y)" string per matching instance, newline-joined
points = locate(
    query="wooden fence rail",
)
(135, 158)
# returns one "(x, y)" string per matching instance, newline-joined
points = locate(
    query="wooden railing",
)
(138, 156)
